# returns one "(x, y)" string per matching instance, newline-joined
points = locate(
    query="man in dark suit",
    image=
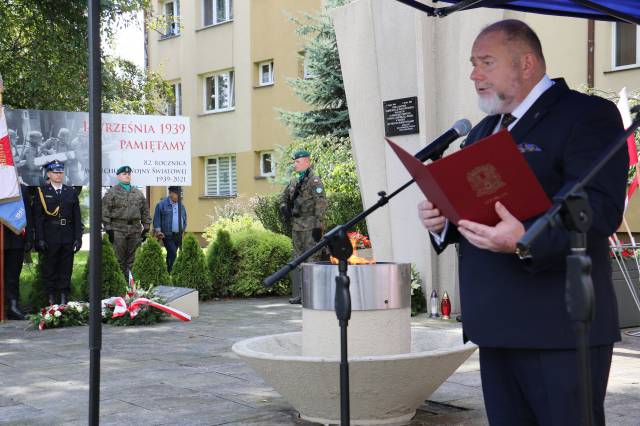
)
(528, 357)
(14, 248)
(58, 227)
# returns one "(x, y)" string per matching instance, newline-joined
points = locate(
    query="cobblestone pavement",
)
(176, 373)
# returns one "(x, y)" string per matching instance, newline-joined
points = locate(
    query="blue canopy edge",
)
(601, 10)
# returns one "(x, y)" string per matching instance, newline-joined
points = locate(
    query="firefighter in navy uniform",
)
(58, 227)
(15, 246)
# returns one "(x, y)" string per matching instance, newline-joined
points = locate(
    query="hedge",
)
(259, 254)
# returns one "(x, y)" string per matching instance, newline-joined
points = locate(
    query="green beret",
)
(301, 154)
(123, 169)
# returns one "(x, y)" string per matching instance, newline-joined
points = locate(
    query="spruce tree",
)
(113, 282)
(150, 268)
(221, 260)
(190, 268)
(323, 89)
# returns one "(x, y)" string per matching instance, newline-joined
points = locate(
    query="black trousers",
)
(540, 387)
(171, 243)
(13, 259)
(57, 267)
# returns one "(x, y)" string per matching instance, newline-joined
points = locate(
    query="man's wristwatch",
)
(523, 253)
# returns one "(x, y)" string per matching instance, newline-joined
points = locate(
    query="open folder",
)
(467, 183)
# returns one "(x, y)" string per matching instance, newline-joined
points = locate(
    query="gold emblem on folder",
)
(485, 180)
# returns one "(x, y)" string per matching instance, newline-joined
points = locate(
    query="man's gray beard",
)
(490, 104)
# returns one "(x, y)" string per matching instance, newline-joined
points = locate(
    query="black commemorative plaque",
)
(400, 116)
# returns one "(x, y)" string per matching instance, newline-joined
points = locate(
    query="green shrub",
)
(232, 225)
(190, 268)
(221, 260)
(260, 253)
(113, 282)
(32, 292)
(150, 267)
(341, 207)
(38, 297)
(267, 210)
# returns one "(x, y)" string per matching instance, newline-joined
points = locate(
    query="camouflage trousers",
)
(125, 245)
(302, 241)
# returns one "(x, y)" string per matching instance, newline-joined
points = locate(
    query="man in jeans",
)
(166, 224)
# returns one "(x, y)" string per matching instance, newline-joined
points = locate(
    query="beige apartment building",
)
(228, 62)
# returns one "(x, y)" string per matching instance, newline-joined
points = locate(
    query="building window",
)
(217, 11)
(219, 92)
(220, 176)
(172, 17)
(265, 71)
(174, 107)
(626, 45)
(267, 164)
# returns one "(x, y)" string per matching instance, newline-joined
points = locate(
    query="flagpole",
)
(1, 268)
(1, 232)
(95, 209)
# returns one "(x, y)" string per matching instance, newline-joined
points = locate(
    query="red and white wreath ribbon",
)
(120, 307)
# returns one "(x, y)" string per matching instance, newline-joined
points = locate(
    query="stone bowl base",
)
(384, 389)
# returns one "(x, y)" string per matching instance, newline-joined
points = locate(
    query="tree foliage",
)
(44, 58)
(221, 260)
(150, 268)
(190, 269)
(113, 282)
(324, 89)
(331, 158)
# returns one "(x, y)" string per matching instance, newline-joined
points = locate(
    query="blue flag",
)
(13, 215)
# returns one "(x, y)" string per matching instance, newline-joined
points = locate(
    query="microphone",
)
(435, 149)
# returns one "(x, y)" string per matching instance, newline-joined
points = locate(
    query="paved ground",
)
(185, 373)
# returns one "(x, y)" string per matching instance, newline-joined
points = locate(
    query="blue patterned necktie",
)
(507, 119)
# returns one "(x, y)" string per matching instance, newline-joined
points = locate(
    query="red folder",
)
(467, 183)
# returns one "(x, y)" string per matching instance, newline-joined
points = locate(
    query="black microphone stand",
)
(571, 209)
(340, 247)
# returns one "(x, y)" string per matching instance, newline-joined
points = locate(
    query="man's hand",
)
(77, 245)
(159, 235)
(430, 217)
(501, 238)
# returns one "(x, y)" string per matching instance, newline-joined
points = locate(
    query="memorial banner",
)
(156, 147)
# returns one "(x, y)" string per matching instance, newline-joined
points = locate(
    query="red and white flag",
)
(9, 190)
(132, 282)
(623, 107)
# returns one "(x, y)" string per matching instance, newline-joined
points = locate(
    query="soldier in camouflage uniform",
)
(303, 204)
(125, 216)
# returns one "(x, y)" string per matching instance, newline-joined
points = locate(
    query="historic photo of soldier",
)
(41, 137)
(125, 217)
(303, 204)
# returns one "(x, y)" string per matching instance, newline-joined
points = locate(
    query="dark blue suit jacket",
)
(512, 303)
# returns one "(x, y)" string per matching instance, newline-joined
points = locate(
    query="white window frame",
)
(273, 164)
(228, 12)
(172, 27)
(177, 102)
(216, 83)
(269, 80)
(614, 44)
(233, 176)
